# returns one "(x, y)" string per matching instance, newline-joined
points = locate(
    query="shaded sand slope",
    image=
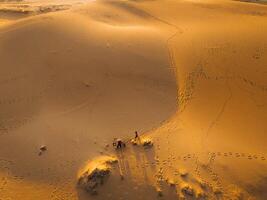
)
(73, 82)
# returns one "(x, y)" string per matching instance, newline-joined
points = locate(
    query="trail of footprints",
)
(216, 182)
(213, 155)
(5, 173)
(10, 125)
(31, 98)
(58, 193)
(13, 78)
(238, 155)
(186, 93)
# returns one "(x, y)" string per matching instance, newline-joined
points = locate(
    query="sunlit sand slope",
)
(76, 79)
(219, 132)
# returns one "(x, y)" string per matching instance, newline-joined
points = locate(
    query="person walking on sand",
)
(136, 136)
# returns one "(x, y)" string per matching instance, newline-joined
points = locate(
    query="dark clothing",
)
(119, 144)
(136, 135)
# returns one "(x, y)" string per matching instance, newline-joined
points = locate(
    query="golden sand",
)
(189, 75)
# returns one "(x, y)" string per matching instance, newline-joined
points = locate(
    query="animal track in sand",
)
(5, 172)
(214, 155)
(215, 179)
(30, 98)
(237, 155)
(240, 155)
(187, 92)
(13, 124)
(253, 84)
(209, 178)
(63, 194)
(206, 173)
(12, 79)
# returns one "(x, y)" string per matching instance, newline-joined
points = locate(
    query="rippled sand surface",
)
(10, 10)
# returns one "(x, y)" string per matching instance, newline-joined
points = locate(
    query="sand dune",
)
(64, 90)
(189, 75)
(14, 10)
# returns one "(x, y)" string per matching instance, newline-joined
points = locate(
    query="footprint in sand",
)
(230, 153)
(249, 157)
(225, 154)
(215, 178)
(262, 158)
(255, 157)
(237, 155)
